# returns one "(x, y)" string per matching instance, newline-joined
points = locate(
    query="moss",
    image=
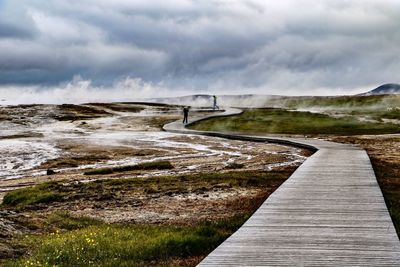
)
(43, 193)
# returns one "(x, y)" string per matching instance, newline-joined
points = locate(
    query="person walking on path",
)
(185, 114)
(215, 106)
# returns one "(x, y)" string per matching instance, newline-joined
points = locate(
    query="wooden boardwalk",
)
(330, 212)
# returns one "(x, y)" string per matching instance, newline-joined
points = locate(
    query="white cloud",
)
(55, 29)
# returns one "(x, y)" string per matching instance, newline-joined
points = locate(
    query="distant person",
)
(185, 114)
(215, 106)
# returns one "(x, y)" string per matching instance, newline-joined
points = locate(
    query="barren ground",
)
(70, 140)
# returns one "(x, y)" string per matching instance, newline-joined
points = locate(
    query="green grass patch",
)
(157, 165)
(393, 114)
(278, 121)
(374, 107)
(43, 193)
(63, 220)
(234, 178)
(351, 102)
(126, 245)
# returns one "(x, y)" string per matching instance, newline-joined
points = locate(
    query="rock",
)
(5, 251)
(50, 172)
(7, 228)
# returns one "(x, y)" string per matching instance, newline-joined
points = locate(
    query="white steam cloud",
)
(82, 91)
(135, 89)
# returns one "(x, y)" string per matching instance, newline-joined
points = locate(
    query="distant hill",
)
(389, 88)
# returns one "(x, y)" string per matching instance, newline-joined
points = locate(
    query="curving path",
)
(330, 212)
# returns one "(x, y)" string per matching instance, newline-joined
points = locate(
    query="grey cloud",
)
(289, 46)
(11, 31)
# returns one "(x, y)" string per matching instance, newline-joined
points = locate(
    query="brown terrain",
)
(210, 178)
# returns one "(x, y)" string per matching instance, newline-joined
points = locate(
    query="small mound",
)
(386, 89)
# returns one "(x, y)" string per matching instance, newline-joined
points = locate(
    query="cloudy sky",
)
(291, 47)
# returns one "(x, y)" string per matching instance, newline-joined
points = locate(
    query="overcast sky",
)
(244, 46)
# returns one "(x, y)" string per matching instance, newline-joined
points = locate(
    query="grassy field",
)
(373, 102)
(92, 243)
(61, 239)
(279, 121)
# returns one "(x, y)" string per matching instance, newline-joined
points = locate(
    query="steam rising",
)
(129, 90)
(81, 91)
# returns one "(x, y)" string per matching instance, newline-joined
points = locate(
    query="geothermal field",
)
(106, 170)
(73, 139)
(190, 133)
(78, 152)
